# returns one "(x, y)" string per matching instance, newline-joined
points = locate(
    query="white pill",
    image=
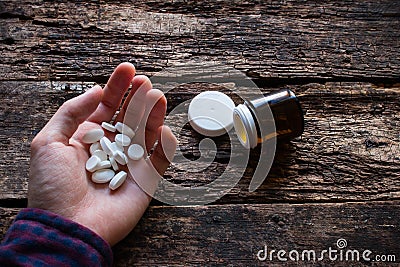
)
(101, 154)
(118, 180)
(125, 129)
(119, 146)
(118, 126)
(135, 152)
(94, 147)
(121, 158)
(106, 145)
(105, 164)
(122, 140)
(115, 147)
(103, 176)
(92, 136)
(114, 164)
(92, 163)
(108, 126)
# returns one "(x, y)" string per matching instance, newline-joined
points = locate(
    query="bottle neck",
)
(245, 126)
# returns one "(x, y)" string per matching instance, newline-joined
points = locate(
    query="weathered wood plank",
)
(232, 235)
(75, 40)
(22, 115)
(348, 152)
(7, 216)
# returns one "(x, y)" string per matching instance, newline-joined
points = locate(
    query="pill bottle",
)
(275, 115)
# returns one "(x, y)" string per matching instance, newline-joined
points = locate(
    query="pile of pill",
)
(106, 155)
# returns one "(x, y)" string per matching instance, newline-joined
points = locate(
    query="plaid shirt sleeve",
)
(41, 238)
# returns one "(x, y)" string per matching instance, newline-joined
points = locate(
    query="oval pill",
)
(125, 129)
(92, 163)
(105, 164)
(122, 140)
(94, 147)
(115, 147)
(121, 158)
(103, 176)
(101, 154)
(114, 164)
(118, 180)
(108, 126)
(92, 136)
(135, 152)
(119, 146)
(119, 126)
(105, 144)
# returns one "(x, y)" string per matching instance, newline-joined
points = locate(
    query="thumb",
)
(70, 115)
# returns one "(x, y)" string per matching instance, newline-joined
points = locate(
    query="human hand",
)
(58, 180)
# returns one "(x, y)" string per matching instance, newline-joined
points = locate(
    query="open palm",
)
(58, 180)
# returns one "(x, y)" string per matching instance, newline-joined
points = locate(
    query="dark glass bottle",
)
(277, 114)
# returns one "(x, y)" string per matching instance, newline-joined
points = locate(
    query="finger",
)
(164, 152)
(114, 91)
(141, 84)
(69, 116)
(152, 119)
(148, 173)
(136, 105)
(155, 119)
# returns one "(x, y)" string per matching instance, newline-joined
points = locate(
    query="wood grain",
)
(232, 235)
(7, 215)
(279, 39)
(348, 152)
(340, 179)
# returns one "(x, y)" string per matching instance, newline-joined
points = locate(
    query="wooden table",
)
(339, 180)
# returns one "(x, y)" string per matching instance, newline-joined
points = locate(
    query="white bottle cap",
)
(211, 113)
